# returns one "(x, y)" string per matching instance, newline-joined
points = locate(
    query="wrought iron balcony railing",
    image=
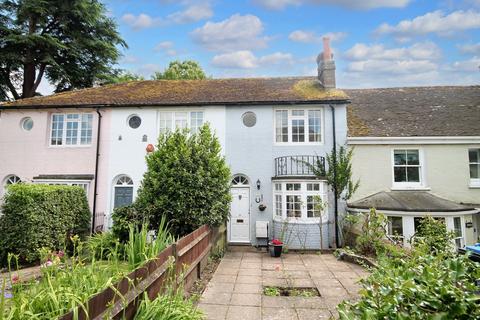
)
(299, 165)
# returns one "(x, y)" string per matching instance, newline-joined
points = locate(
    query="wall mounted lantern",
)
(258, 184)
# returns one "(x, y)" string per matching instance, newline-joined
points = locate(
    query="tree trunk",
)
(28, 80)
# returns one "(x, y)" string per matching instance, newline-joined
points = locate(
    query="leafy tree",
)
(71, 43)
(119, 76)
(177, 70)
(187, 181)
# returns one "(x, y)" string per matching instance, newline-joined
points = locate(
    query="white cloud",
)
(141, 21)
(129, 59)
(192, 13)
(418, 51)
(350, 4)
(311, 37)
(470, 48)
(433, 22)
(235, 33)
(168, 47)
(245, 59)
(470, 65)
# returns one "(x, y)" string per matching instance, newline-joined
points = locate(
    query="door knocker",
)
(239, 197)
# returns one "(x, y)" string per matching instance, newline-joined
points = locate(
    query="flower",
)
(49, 263)
(15, 278)
(60, 254)
(8, 295)
(276, 242)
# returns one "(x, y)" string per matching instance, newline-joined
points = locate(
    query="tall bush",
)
(187, 181)
(36, 216)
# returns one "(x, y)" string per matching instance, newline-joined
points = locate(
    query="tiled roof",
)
(409, 201)
(416, 111)
(191, 92)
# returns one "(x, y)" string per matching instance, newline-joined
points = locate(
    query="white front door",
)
(239, 222)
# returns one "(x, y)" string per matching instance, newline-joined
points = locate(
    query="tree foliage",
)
(71, 43)
(187, 181)
(181, 70)
(119, 76)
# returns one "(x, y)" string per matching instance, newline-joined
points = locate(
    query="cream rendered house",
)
(417, 152)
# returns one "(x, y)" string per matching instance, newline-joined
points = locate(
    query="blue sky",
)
(376, 43)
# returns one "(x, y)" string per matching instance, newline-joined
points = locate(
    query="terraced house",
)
(417, 152)
(272, 131)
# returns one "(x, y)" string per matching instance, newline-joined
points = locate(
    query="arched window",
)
(11, 179)
(122, 191)
(240, 180)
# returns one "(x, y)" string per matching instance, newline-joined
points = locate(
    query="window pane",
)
(474, 155)
(86, 131)
(395, 226)
(281, 126)
(313, 207)
(413, 174)
(400, 157)
(457, 226)
(475, 171)
(165, 122)
(278, 205)
(278, 187)
(181, 120)
(57, 129)
(72, 130)
(298, 113)
(314, 128)
(298, 130)
(293, 186)
(294, 206)
(313, 187)
(196, 121)
(412, 157)
(400, 174)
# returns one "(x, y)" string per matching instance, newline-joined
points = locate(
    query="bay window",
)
(395, 227)
(171, 120)
(71, 129)
(300, 200)
(298, 126)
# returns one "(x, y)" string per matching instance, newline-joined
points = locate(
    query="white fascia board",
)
(414, 140)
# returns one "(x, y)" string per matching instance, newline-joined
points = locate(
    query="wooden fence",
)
(189, 256)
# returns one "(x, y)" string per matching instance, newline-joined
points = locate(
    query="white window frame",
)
(421, 185)
(395, 236)
(303, 193)
(85, 184)
(115, 185)
(474, 182)
(64, 131)
(290, 117)
(173, 120)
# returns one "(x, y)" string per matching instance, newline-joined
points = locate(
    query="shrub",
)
(372, 239)
(123, 218)
(36, 216)
(433, 236)
(422, 286)
(187, 181)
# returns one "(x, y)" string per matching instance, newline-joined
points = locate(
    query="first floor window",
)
(169, 121)
(299, 200)
(406, 166)
(395, 227)
(71, 129)
(298, 125)
(474, 163)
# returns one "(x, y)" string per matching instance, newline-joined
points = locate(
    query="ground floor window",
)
(457, 229)
(300, 200)
(395, 227)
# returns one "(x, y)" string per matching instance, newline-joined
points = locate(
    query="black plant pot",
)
(275, 250)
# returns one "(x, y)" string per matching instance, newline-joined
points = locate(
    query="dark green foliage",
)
(432, 236)
(71, 43)
(123, 217)
(372, 239)
(119, 76)
(181, 70)
(341, 164)
(187, 181)
(36, 216)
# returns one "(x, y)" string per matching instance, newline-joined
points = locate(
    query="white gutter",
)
(417, 213)
(414, 140)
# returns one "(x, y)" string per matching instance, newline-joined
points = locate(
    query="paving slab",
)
(236, 288)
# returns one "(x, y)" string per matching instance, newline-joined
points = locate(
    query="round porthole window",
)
(134, 121)
(249, 119)
(27, 124)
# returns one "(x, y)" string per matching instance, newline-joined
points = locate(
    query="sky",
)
(376, 43)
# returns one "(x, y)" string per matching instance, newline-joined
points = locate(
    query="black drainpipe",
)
(99, 125)
(335, 191)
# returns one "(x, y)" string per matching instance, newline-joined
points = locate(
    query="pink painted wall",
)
(28, 153)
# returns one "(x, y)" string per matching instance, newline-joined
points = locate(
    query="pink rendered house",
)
(53, 146)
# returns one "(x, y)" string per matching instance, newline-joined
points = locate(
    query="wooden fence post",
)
(175, 266)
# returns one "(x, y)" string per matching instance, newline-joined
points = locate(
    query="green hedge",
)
(36, 216)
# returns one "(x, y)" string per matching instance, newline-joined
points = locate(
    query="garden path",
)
(236, 289)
